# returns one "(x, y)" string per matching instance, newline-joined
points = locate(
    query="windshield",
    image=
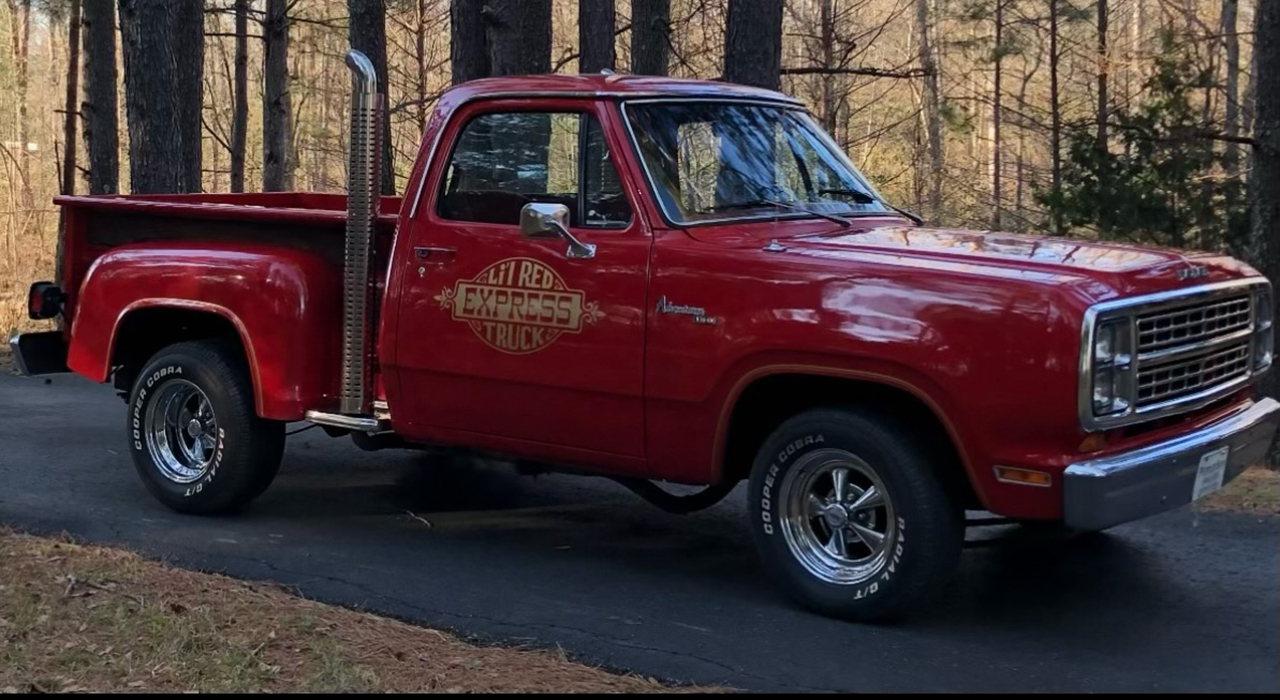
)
(711, 161)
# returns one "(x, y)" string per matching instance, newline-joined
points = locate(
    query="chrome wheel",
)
(837, 517)
(182, 431)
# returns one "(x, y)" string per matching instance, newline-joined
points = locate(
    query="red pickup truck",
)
(663, 280)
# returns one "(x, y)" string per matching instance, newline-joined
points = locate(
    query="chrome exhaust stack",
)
(363, 192)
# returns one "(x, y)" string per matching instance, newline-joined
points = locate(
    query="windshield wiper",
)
(781, 205)
(864, 198)
(856, 195)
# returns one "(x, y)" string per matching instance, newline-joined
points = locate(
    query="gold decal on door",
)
(519, 306)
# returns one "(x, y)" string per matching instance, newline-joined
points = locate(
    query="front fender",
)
(284, 303)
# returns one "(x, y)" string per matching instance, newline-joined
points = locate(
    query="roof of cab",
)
(615, 86)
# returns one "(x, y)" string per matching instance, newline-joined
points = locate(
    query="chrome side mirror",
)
(539, 220)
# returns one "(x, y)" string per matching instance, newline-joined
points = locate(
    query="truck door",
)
(506, 336)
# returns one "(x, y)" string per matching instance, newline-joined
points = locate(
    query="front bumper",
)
(1100, 493)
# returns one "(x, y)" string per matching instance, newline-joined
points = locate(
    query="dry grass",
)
(1257, 491)
(79, 618)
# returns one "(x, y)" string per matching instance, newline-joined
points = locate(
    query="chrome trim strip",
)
(363, 424)
(1147, 304)
(1177, 352)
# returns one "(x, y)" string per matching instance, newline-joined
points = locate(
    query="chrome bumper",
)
(1103, 492)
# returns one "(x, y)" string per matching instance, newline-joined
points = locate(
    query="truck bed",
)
(313, 221)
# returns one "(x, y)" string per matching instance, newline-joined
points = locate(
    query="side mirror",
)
(540, 220)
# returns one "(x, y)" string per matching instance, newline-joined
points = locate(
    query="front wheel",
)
(849, 517)
(196, 440)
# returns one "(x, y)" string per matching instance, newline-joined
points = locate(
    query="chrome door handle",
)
(435, 254)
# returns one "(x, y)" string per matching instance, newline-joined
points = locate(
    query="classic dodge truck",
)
(679, 281)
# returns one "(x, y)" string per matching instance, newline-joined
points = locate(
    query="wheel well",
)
(769, 401)
(143, 333)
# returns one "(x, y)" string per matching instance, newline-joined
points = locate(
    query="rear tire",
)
(195, 437)
(880, 546)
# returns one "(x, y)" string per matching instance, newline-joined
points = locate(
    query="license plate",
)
(1212, 470)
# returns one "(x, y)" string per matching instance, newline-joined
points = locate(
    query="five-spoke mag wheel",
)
(837, 517)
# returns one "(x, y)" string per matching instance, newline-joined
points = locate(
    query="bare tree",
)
(20, 41)
(72, 115)
(277, 127)
(1263, 251)
(519, 36)
(240, 108)
(932, 106)
(1055, 115)
(469, 45)
(997, 119)
(753, 43)
(1103, 69)
(367, 29)
(1231, 121)
(595, 35)
(650, 37)
(163, 63)
(101, 124)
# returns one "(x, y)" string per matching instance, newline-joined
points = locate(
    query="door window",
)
(503, 161)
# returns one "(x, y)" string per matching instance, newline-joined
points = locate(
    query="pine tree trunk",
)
(519, 36)
(469, 44)
(240, 88)
(276, 102)
(101, 121)
(367, 30)
(1231, 123)
(1264, 247)
(753, 43)
(72, 116)
(595, 35)
(163, 62)
(932, 108)
(650, 37)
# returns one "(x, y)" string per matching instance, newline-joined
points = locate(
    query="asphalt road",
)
(1182, 602)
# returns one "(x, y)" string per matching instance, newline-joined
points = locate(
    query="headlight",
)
(1265, 339)
(1112, 366)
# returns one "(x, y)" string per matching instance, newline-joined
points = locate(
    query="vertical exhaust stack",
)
(363, 191)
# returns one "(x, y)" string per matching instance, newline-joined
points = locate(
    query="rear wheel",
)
(196, 440)
(849, 517)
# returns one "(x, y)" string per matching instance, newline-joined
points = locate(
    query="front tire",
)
(195, 438)
(849, 517)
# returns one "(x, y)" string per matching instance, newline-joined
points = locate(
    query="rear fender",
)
(284, 304)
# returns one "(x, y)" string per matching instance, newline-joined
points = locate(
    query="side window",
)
(503, 161)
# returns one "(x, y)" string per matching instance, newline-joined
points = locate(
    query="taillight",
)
(44, 300)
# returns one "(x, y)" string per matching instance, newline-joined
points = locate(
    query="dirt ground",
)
(79, 618)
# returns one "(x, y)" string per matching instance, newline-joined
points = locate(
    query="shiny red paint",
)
(983, 329)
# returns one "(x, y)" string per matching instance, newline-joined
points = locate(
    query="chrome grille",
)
(1168, 352)
(1193, 323)
(1172, 380)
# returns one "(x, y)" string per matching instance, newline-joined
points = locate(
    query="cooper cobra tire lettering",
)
(766, 497)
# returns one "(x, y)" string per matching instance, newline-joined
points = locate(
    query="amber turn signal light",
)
(1025, 477)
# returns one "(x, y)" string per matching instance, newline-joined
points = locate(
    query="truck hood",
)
(1103, 270)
